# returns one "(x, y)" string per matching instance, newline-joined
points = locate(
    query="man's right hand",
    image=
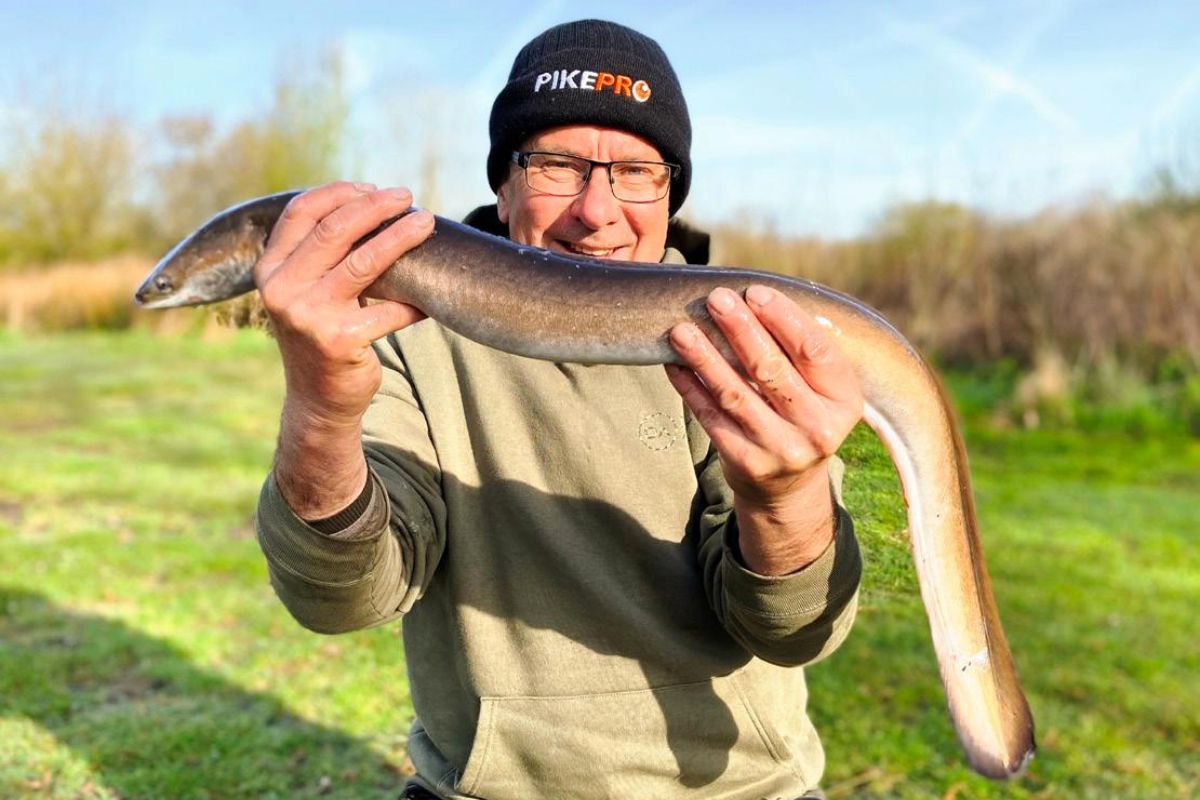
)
(311, 282)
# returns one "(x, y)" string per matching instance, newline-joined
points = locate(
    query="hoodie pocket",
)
(693, 739)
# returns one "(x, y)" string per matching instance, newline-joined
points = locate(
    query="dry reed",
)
(1098, 284)
(75, 295)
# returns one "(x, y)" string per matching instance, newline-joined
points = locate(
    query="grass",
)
(1091, 546)
(142, 653)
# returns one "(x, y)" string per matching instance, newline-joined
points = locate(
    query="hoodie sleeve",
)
(790, 619)
(377, 566)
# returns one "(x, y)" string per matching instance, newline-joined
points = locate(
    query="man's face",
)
(593, 223)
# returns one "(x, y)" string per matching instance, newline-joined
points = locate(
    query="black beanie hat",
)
(593, 72)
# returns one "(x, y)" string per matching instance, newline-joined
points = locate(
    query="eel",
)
(541, 304)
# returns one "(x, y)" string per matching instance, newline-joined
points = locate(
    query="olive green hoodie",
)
(577, 623)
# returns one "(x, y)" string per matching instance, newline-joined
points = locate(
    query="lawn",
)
(142, 653)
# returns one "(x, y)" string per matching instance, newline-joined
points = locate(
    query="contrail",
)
(744, 74)
(1020, 52)
(995, 77)
(1174, 102)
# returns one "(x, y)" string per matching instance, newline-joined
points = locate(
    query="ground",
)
(142, 653)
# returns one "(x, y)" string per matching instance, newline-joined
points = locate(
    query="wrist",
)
(328, 395)
(319, 464)
(310, 420)
(341, 520)
(792, 502)
(783, 534)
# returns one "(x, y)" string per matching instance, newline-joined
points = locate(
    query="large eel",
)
(540, 304)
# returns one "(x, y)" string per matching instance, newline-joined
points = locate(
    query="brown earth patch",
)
(11, 512)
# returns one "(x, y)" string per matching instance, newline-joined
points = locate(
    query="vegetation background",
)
(143, 655)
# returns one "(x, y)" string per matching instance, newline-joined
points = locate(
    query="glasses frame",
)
(521, 159)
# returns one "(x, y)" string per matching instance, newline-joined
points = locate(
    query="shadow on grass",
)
(151, 724)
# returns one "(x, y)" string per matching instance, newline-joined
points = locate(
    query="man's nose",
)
(597, 206)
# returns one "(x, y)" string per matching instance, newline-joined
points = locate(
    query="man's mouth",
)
(586, 251)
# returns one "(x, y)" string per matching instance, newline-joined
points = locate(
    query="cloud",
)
(721, 136)
(378, 58)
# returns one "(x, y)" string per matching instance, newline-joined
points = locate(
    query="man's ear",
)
(502, 201)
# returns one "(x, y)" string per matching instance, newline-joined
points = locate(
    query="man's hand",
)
(775, 427)
(310, 281)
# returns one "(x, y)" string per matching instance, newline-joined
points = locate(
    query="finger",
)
(369, 260)
(787, 453)
(807, 344)
(726, 434)
(760, 355)
(300, 217)
(328, 242)
(729, 390)
(377, 320)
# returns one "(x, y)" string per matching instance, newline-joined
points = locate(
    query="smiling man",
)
(618, 217)
(610, 577)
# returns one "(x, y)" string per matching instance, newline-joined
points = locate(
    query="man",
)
(609, 577)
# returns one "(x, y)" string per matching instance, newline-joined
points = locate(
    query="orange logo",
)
(641, 91)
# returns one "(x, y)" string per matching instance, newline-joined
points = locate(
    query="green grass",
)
(1092, 547)
(142, 653)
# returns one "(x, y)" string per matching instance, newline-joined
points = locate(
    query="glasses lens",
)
(640, 181)
(566, 176)
(556, 174)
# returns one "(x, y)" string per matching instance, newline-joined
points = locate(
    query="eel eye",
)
(163, 283)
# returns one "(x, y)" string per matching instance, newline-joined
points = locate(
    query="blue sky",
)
(815, 115)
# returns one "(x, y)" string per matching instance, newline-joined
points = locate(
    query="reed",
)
(1089, 309)
(87, 296)
(1093, 284)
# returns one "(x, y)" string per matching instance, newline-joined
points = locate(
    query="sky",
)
(815, 116)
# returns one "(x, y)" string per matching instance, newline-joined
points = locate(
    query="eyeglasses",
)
(566, 176)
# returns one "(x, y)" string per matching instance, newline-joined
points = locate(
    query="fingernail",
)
(683, 335)
(722, 300)
(365, 187)
(422, 217)
(400, 192)
(759, 295)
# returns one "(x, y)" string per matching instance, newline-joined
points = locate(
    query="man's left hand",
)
(775, 423)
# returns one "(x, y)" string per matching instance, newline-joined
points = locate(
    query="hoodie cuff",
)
(808, 592)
